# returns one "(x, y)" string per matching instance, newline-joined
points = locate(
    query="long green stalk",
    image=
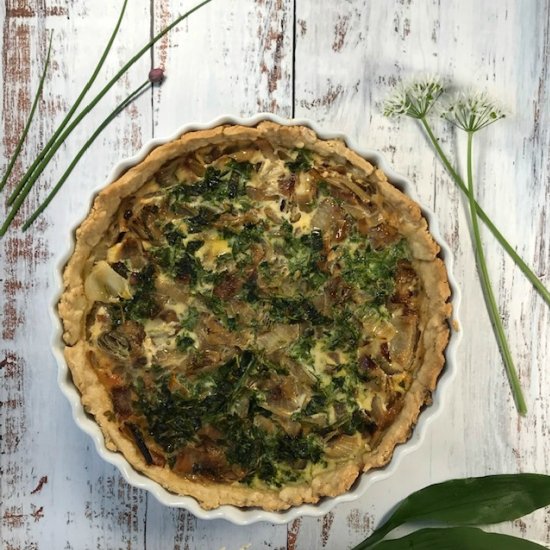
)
(525, 269)
(488, 291)
(28, 174)
(51, 152)
(37, 96)
(120, 107)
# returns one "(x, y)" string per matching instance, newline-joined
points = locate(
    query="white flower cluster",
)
(415, 99)
(471, 112)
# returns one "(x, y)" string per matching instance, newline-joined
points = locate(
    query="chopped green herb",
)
(295, 310)
(304, 254)
(143, 304)
(216, 185)
(184, 342)
(173, 236)
(250, 292)
(178, 259)
(322, 187)
(250, 233)
(345, 331)
(202, 220)
(301, 348)
(302, 162)
(174, 419)
(190, 321)
(193, 246)
(236, 177)
(374, 270)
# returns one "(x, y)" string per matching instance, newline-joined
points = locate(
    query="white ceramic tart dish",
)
(253, 315)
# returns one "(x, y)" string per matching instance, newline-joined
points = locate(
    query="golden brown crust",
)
(74, 307)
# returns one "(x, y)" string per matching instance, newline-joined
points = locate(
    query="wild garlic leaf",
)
(470, 501)
(456, 538)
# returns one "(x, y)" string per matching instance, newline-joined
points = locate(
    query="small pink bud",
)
(156, 76)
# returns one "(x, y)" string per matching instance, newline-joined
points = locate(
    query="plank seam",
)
(294, 58)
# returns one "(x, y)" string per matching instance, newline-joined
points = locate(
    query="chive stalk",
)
(129, 99)
(49, 152)
(37, 97)
(37, 162)
(492, 306)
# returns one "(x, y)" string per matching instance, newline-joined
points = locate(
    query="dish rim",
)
(232, 513)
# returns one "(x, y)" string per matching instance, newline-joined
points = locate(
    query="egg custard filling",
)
(255, 316)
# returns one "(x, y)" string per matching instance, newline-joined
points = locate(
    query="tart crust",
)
(74, 308)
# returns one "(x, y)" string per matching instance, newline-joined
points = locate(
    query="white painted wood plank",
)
(83, 503)
(234, 58)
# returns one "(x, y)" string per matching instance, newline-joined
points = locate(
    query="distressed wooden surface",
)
(332, 62)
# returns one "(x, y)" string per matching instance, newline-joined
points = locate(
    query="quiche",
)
(255, 316)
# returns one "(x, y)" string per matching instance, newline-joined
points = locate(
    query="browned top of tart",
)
(255, 316)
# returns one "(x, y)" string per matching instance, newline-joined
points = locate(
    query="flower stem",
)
(49, 153)
(37, 162)
(82, 150)
(29, 120)
(488, 291)
(526, 270)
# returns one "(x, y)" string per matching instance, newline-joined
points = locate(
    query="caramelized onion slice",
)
(104, 284)
(278, 337)
(403, 344)
(345, 447)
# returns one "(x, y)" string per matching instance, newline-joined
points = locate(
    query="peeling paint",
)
(41, 482)
(340, 31)
(163, 17)
(360, 522)
(292, 534)
(11, 366)
(18, 9)
(325, 100)
(14, 517)
(328, 520)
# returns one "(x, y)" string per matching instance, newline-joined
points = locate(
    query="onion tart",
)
(255, 316)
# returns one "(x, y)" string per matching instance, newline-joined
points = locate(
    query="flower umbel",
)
(473, 112)
(414, 100)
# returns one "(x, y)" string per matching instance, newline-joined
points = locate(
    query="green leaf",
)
(455, 538)
(470, 501)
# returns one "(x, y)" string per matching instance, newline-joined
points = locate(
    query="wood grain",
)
(333, 65)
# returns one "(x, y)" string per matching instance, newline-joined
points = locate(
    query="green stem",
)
(81, 152)
(15, 155)
(525, 269)
(40, 168)
(28, 174)
(492, 306)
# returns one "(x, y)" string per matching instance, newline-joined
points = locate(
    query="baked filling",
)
(255, 316)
